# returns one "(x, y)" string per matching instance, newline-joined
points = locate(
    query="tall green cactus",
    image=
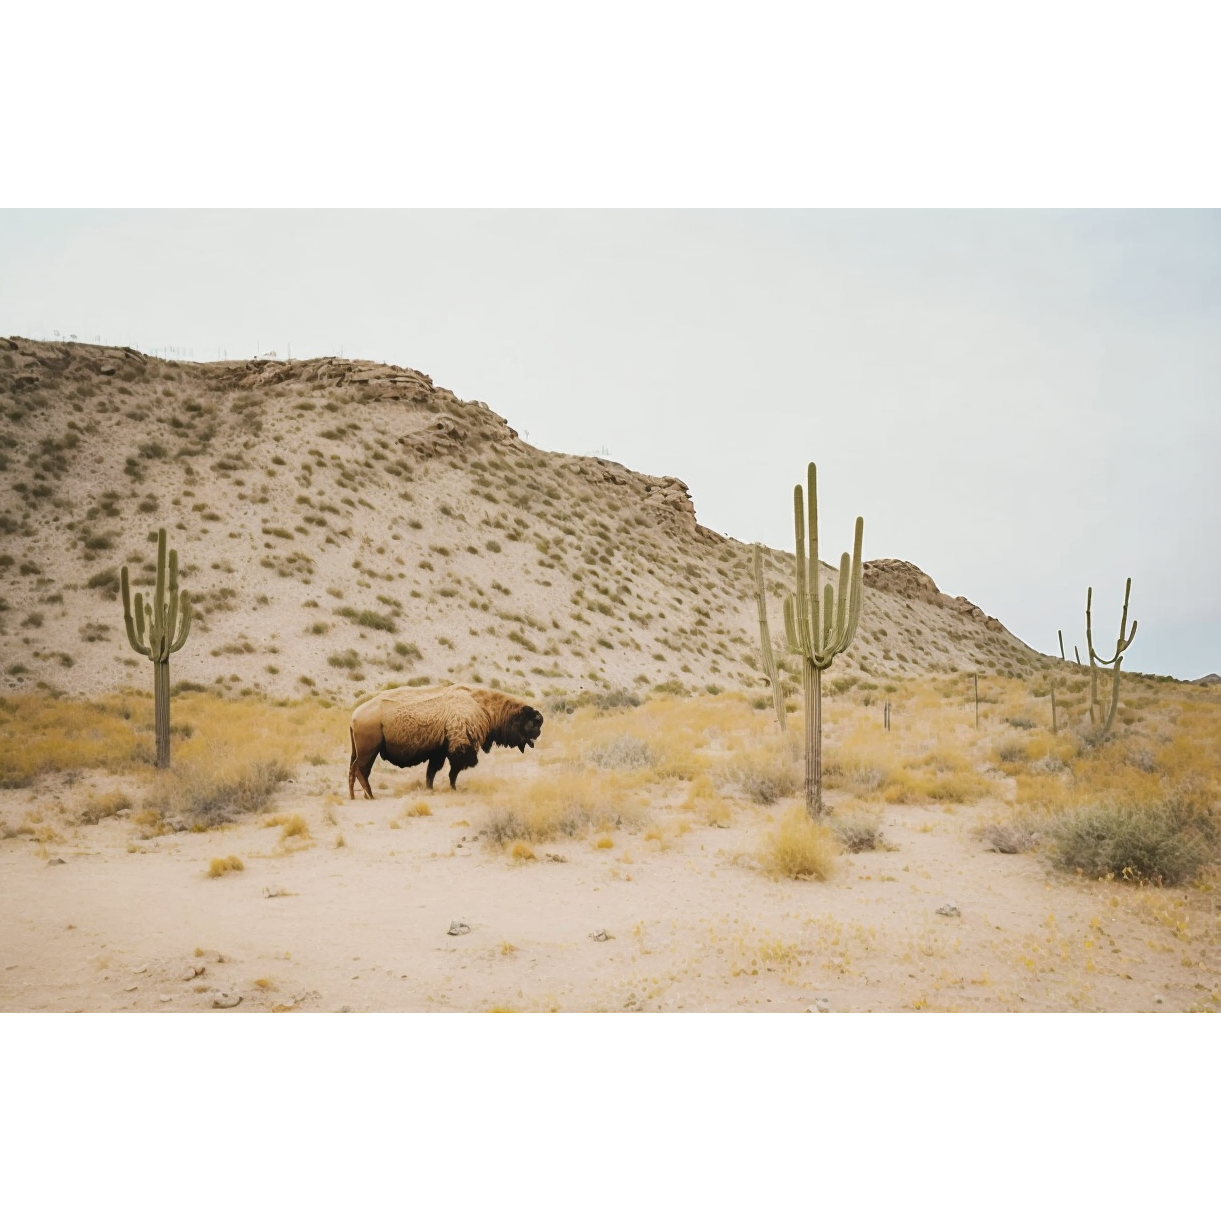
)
(1121, 645)
(168, 622)
(765, 643)
(817, 634)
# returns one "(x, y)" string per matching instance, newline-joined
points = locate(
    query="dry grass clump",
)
(40, 734)
(222, 865)
(291, 826)
(105, 805)
(519, 850)
(765, 776)
(1010, 838)
(207, 798)
(417, 809)
(800, 847)
(625, 752)
(567, 804)
(858, 831)
(1164, 843)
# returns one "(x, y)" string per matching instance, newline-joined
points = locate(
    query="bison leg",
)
(359, 769)
(435, 764)
(459, 760)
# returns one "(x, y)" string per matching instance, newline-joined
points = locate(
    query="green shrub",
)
(1165, 842)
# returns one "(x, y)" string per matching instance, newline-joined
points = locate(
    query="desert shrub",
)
(1164, 842)
(105, 805)
(222, 865)
(1012, 751)
(207, 798)
(1019, 722)
(1010, 837)
(800, 847)
(625, 752)
(369, 618)
(858, 831)
(765, 777)
(569, 804)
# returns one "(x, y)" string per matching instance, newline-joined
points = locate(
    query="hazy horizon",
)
(1021, 403)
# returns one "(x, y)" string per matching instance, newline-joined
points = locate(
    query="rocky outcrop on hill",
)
(905, 579)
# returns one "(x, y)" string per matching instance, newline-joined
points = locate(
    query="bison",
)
(408, 726)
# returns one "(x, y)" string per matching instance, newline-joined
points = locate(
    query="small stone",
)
(140, 970)
(190, 972)
(949, 909)
(165, 999)
(226, 1000)
(457, 928)
(123, 813)
(600, 935)
(1159, 1000)
(57, 860)
(558, 857)
(131, 987)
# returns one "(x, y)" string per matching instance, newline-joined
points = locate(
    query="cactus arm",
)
(159, 596)
(801, 607)
(134, 636)
(765, 639)
(828, 621)
(185, 623)
(792, 635)
(836, 643)
(1060, 634)
(814, 572)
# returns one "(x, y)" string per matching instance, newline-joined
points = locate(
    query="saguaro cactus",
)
(168, 620)
(1121, 645)
(817, 634)
(765, 642)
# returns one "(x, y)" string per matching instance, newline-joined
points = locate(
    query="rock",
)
(125, 812)
(274, 892)
(558, 857)
(165, 998)
(191, 972)
(140, 970)
(57, 860)
(821, 1005)
(1159, 1000)
(226, 1000)
(23, 380)
(600, 935)
(108, 370)
(457, 928)
(948, 909)
(131, 987)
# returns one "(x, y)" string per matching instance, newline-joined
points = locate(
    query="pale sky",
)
(1021, 403)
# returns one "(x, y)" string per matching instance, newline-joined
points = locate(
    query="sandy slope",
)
(301, 494)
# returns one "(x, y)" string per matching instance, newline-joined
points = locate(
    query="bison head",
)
(520, 728)
(524, 728)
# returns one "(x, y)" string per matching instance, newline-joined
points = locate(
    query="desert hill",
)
(343, 525)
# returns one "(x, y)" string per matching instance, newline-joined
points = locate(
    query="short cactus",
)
(167, 619)
(1121, 644)
(765, 642)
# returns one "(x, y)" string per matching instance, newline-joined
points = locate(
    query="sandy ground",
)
(692, 923)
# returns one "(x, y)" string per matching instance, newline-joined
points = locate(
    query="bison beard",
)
(410, 726)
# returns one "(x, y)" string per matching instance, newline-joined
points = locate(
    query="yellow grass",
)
(604, 841)
(519, 850)
(565, 803)
(800, 847)
(40, 734)
(417, 809)
(222, 865)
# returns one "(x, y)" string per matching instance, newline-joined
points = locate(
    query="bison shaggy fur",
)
(413, 725)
